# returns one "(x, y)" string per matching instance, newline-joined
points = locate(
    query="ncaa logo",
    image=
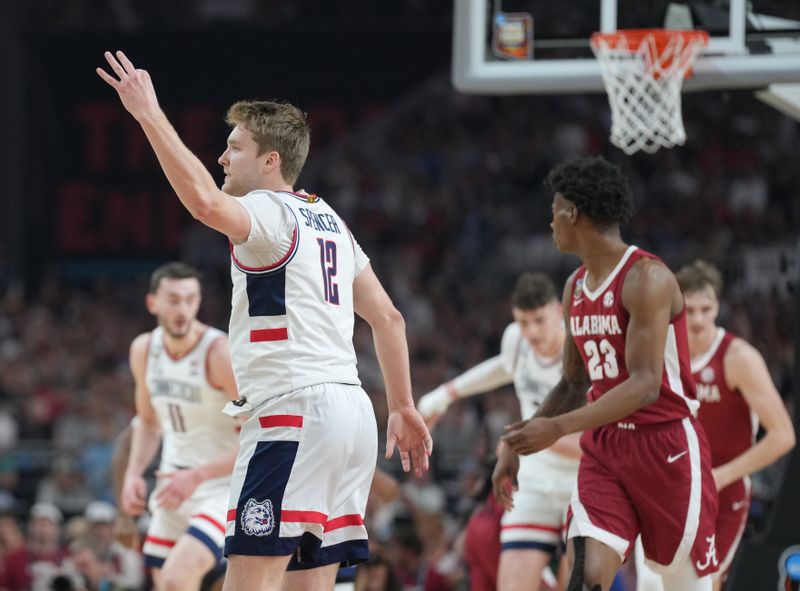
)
(608, 299)
(707, 375)
(258, 518)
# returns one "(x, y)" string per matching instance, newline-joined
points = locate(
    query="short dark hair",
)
(532, 291)
(698, 275)
(597, 188)
(174, 270)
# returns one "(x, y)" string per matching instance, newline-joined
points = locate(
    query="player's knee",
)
(184, 575)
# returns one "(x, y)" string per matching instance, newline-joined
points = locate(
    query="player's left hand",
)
(178, 486)
(527, 437)
(134, 87)
(407, 430)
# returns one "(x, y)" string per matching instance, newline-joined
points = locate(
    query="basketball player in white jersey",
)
(530, 357)
(309, 445)
(183, 377)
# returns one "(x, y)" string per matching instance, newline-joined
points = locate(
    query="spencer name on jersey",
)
(594, 324)
(292, 300)
(324, 222)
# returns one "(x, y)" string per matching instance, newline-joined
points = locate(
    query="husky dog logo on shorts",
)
(258, 518)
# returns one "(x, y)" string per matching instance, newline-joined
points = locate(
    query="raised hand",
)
(407, 430)
(134, 87)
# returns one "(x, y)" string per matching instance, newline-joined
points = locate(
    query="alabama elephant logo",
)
(258, 518)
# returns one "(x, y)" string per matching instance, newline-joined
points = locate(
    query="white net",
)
(643, 73)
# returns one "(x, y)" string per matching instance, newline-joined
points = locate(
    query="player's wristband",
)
(436, 401)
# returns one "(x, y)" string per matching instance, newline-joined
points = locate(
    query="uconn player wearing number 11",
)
(183, 377)
(646, 465)
(308, 447)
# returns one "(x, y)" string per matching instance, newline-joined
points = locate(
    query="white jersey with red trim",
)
(534, 376)
(292, 304)
(189, 408)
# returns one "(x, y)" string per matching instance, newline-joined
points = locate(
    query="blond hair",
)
(698, 275)
(275, 126)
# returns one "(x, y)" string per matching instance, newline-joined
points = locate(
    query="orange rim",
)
(635, 37)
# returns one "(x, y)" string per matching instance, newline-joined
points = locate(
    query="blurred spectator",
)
(126, 564)
(65, 487)
(33, 566)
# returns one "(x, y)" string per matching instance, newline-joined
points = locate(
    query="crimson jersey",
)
(599, 324)
(729, 423)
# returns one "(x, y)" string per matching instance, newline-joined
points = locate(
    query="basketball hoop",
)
(643, 71)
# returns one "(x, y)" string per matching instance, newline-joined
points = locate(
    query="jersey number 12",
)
(327, 260)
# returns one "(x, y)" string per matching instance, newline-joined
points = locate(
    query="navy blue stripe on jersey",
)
(151, 561)
(529, 545)
(264, 483)
(266, 294)
(206, 541)
(345, 554)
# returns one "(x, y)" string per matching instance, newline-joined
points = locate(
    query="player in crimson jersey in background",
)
(736, 393)
(645, 467)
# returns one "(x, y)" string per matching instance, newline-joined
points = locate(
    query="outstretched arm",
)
(191, 181)
(746, 371)
(405, 428)
(484, 377)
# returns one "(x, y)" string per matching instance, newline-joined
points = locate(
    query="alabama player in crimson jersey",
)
(736, 393)
(645, 468)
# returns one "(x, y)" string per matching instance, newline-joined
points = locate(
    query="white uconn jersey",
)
(292, 302)
(188, 407)
(533, 376)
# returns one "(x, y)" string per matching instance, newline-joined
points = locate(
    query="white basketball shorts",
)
(202, 516)
(546, 480)
(302, 478)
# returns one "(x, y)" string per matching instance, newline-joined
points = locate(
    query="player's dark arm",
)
(570, 392)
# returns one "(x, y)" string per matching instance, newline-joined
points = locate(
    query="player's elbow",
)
(649, 389)
(202, 210)
(786, 440)
(391, 318)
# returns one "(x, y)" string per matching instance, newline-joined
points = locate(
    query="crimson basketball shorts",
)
(546, 481)
(653, 479)
(734, 506)
(302, 477)
(201, 516)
